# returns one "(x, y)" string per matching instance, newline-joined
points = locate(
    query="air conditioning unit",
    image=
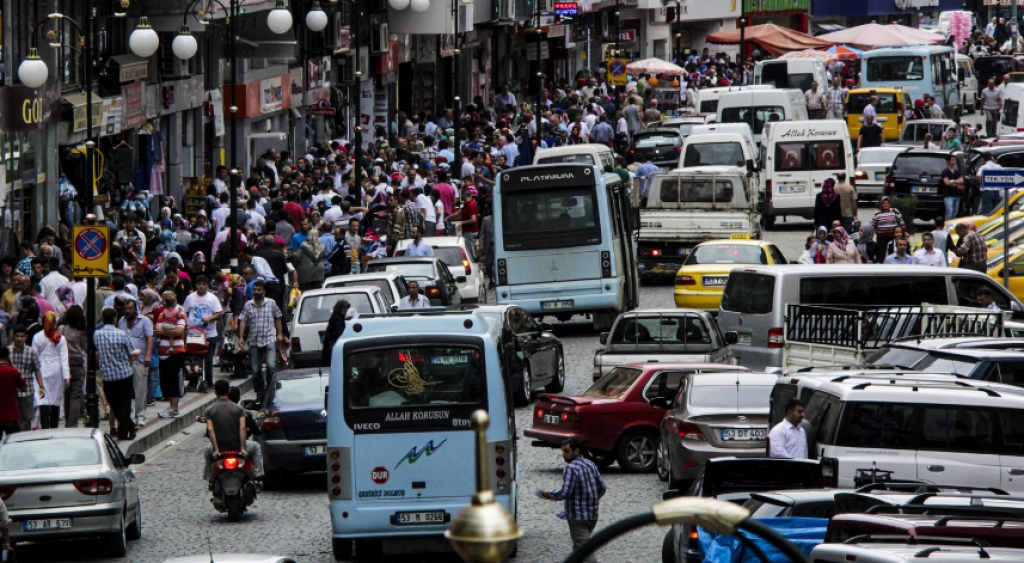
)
(506, 10)
(379, 39)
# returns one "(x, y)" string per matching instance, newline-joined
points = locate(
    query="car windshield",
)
(383, 284)
(908, 166)
(565, 158)
(684, 128)
(657, 140)
(614, 384)
(414, 376)
(56, 452)
(300, 391)
(878, 157)
(318, 309)
(898, 357)
(412, 269)
(450, 255)
(891, 69)
(727, 254)
(746, 397)
(993, 66)
(997, 233)
(714, 154)
(940, 364)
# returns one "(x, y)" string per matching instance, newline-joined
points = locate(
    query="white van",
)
(756, 108)
(792, 73)
(718, 149)
(969, 86)
(707, 98)
(796, 158)
(1012, 121)
(589, 153)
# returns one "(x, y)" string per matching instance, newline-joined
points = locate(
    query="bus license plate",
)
(314, 450)
(744, 433)
(551, 305)
(54, 524)
(412, 518)
(551, 419)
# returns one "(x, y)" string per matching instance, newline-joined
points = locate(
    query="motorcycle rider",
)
(226, 428)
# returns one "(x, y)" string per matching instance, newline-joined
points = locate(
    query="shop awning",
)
(776, 40)
(873, 34)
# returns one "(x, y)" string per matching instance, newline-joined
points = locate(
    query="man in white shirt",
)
(990, 197)
(414, 300)
(788, 439)
(203, 309)
(52, 280)
(220, 214)
(427, 207)
(218, 182)
(869, 110)
(928, 255)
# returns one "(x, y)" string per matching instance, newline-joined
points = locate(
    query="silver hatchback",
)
(69, 483)
(713, 415)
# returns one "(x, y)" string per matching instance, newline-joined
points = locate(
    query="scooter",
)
(233, 487)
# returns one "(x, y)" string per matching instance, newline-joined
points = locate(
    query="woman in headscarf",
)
(819, 246)
(827, 205)
(167, 241)
(72, 328)
(842, 250)
(197, 266)
(52, 350)
(335, 326)
(866, 245)
(885, 221)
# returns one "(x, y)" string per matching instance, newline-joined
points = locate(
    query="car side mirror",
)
(249, 404)
(732, 337)
(460, 279)
(546, 327)
(671, 494)
(604, 338)
(394, 307)
(751, 165)
(661, 403)
(136, 459)
(634, 219)
(327, 389)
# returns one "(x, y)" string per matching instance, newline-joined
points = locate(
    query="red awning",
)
(776, 40)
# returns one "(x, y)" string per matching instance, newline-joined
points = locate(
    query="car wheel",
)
(135, 530)
(662, 462)
(524, 394)
(602, 460)
(668, 548)
(636, 451)
(768, 222)
(676, 484)
(342, 548)
(117, 543)
(558, 383)
(234, 506)
(481, 297)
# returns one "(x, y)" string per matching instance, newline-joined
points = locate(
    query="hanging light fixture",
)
(420, 6)
(184, 45)
(398, 5)
(33, 71)
(279, 20)
(316, 19)
(144, 41)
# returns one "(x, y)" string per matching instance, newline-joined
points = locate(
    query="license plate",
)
(923, 190)
(714, 281)
(792, 189)
(879, 175)
(743, 338)
(551, 419)
(549, 305)
(744, 433)
(412, 518)
(54, 524)
(314, 450)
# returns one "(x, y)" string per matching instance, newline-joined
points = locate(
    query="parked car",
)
(986, 526)
(806, 503)
(914, 551)
(684, 123)
(614, 419)
(533, 355)
(918, 173)
(873, 164)
(908, 352)
(314, 310)
(392, 285)
(67, 483)
(712, 415)
(734, 480)
(232, 558)
(294, 425)
(1004, 365)
(660, 145)
(455, 253)
(435, 280)
(702, 277)
(995, 66)
(662, 335)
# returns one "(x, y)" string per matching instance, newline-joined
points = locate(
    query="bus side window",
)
(613, 197)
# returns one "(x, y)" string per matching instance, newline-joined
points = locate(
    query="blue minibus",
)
(919, 69)
(564, 242)
(400, 452)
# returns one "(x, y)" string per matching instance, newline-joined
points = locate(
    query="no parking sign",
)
(91, 256)
(617, 72)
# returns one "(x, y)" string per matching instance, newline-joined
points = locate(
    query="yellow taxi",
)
(981, 221)
(893, 106)
(701, 280)
(995, 270)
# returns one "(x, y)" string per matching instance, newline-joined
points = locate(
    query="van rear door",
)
(748, 308)
(792, 186)
(958, 444)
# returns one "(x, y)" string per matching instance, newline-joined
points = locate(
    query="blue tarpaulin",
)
(806, 533)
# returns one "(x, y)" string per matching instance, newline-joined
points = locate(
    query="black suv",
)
(661, 144)
(918, 173)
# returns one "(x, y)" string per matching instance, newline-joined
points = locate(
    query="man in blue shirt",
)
(646, 170)
(418, 246)
(581, 490)
(900, 256)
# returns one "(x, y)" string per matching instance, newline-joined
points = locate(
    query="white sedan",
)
(455, 253)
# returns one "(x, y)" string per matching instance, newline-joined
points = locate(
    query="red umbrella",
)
(776, 40)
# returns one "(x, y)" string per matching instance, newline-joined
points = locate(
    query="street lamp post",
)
(618, 104)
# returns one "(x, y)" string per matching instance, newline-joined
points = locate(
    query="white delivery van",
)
(756, 108)
(969, 85)
(1011, 122)
(718, 149)
(792, 73)
(741, 128)
(707, 98)
(796, 157)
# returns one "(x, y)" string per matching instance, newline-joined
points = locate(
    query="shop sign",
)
(80, 117)
(426, 48)
(366, 106)
(112, 114)
(764, 6)
(317, 71)
(447, 45)
(323, 107)
(344, 40)
(271, 94)
(905, 5)
(217, 106)
(133, 105)
(1002, 2)
(380, 108)
(132, 72)
(27, 109)
(625, 36)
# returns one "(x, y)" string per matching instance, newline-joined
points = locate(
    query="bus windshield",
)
(550, 218)
(884, 69)
(569, 158)
(414, 376)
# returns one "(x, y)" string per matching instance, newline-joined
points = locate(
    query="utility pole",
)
(456, 167)
(357, 151)
(618, 54)
(235, 175)
(540, 90)
(92, 397)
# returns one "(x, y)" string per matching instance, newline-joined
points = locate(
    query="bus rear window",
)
(414, 376)
(550, 218)
(895, 69)
(749, 293)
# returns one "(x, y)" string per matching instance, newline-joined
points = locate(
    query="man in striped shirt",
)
(582, 489)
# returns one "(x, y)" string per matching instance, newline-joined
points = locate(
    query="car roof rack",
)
(849, 367)
(976, 499)
(929, 385)
(926, 552)
(925, 488)
(945, 510)
(915, 540)
(944, 521)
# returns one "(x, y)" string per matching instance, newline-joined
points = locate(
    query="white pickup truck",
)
(688, 206)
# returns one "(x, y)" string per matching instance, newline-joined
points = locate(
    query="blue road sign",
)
(1005, 179)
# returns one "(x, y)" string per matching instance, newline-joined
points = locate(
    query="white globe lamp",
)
(420, 6)
(279, 20)
(144, 41)
(316, 19)
(398, 5)
(184, 45)
(33, 71)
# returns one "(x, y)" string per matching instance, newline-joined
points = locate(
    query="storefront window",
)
(18, 159)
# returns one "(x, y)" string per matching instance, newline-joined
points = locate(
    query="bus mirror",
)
(327, 389)
(960, 75)
(634, 219)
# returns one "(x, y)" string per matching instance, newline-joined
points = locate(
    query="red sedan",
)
(614, 419)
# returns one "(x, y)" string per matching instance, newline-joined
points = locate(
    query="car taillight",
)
(94, 486)
(433, 293)
(776, 338)
(631, 152)
(502, 272)
(685, 280)
(768, 190)
(890, 184)
(272, 422)
(830, 471)
(465, 262)
(296, 344)
(6, 491)
(571, 417)
(679, 150)
(688, 431)
(540, 413)
(606, 264)
(899, 114)
(860, 174)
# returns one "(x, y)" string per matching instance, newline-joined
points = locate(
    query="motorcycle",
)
(233, 487)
